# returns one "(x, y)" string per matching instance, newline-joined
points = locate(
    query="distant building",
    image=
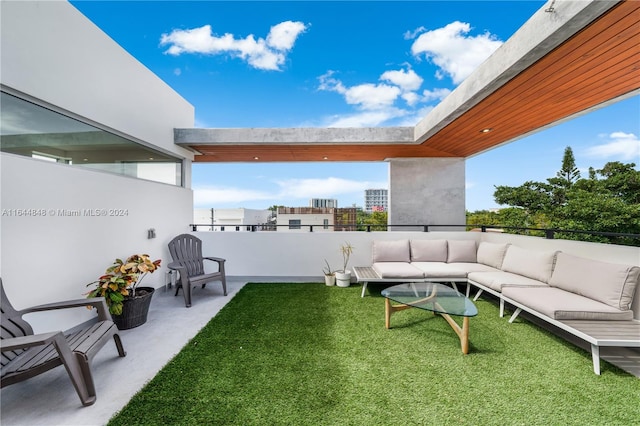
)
(203, 217)
(345, 219)
(323, 202)
(322, 219)
(231, 220)
(299, 219)
(376, 200)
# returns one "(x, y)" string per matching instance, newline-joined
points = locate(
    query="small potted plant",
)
(329, 274)
(128, 303)
(343, 277)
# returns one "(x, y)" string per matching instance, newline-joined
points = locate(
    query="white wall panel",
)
(51, 51)
(50, 256)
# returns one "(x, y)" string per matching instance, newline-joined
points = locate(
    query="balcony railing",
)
(612, 237)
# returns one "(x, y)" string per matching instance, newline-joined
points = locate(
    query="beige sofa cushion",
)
(391, 251)
(610, 283)
(498, 279)
(397, 270)
(428, 250)
(492, 254)
(530, 263)
(440, 270)
(461, 251)
(563, 305)
(469, 267)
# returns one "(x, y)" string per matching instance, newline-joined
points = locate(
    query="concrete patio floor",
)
(50, 399)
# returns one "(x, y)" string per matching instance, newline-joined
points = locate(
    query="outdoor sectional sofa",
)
(587, 298)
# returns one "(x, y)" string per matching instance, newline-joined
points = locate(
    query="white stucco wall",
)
(51, 51)
(49, 256)
(53, 55)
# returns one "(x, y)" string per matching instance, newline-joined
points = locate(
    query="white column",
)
(429, 191)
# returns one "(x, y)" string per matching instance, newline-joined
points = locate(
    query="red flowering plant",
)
(121, 280)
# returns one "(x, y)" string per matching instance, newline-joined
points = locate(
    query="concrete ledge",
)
(368, 135)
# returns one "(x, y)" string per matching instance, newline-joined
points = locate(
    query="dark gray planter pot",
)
(134, 309)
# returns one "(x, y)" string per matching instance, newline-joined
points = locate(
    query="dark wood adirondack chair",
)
(25, 355)
(186, 251)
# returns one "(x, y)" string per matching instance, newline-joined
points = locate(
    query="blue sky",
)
(343, 64)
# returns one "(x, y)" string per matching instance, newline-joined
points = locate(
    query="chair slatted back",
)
(12, 325)
(187, 250)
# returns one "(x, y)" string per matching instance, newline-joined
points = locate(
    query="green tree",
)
(481, 217)
(531, 196)
(621, 180)
(607, 201)
(569, 173)
(377, 220)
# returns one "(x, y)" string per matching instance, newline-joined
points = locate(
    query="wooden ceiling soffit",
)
(598, 64)
(308, 153)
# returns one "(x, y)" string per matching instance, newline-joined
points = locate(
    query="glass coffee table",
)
(435, 297)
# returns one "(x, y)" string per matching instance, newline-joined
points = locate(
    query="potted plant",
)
(343, 277)
(128, 303)
(329, 274)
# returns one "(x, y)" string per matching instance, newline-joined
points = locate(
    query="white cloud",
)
(435, 94)
(410, 35)
(372, 96)
(283, 36)
(331, 84)
(414, 117)
(208, 196)
(364, 118)
(269, 54)
(620, 145)
(408, 80)
(366, 96)
(284, 190)
(377, 103)
(453, 51)
(411, 98)
(177, 71)
(323, 188)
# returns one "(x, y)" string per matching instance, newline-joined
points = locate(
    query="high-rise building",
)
(330, 203)
(376, 200)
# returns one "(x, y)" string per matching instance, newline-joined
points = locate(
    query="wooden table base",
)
(462, 332)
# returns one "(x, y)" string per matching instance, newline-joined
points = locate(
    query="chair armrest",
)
(215, 259)
(23, 342)
(176, 266)
(96, 302)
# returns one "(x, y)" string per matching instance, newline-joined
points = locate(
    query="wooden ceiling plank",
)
(507, 111)
(565, 60)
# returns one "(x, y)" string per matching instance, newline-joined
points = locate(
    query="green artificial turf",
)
(307, 354)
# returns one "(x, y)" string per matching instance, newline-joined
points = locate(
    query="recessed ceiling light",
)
(487, 130)
(325, 158)
(256, 158)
